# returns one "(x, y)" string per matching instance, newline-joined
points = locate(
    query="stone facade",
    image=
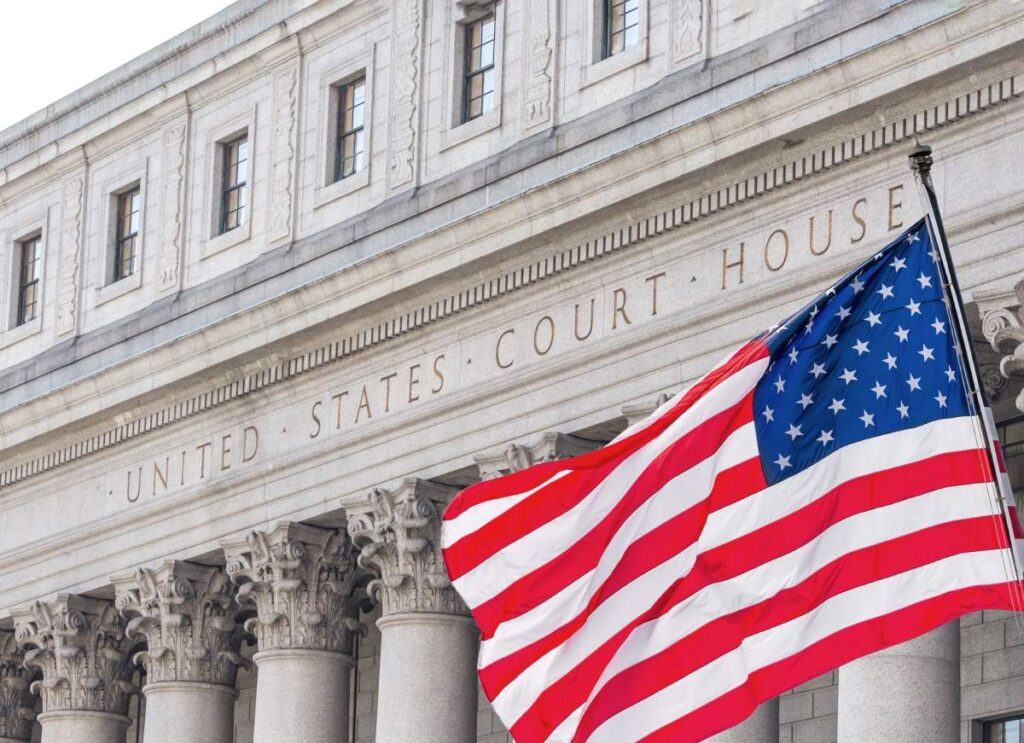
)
(221, 476)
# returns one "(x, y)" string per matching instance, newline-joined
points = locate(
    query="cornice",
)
(810, 164)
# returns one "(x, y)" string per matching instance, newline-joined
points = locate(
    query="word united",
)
(822, 494)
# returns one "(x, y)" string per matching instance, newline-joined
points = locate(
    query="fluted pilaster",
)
(16, 701)
(399, 541)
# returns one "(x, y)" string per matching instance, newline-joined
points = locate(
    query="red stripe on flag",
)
(582, 556)
(842, 647)
(528, 479)
(725, 634)
(738, 556)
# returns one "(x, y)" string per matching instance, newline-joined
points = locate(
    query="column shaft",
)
(428, 690)
(760, 727)
(189, 712)
(302, 695)
(904, 694)
(82, 726)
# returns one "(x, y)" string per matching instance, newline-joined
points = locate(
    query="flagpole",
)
(921, 163)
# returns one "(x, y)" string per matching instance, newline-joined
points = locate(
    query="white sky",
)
(53, 47)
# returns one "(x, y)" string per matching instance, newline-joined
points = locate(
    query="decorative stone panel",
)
(302, 582)
(1002, 323)
(17, 706)
(399, 540)
(186, 614)
(81, 646)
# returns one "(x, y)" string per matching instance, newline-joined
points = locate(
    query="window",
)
(621, 25)
(1005, 731)
(479, 73)
(126, 239)
(29, 262)
(348, 152)
(236, 170)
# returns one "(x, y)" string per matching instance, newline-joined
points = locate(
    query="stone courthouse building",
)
(273, 292)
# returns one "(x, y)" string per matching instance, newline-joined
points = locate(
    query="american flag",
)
(823, 493)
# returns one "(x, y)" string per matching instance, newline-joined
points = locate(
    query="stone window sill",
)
(343, 187)
(226, 240)
(21, 332)
(119, 288)
(605, 68)
(470, 129)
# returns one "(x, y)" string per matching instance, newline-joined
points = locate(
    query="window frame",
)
(21, 286)
(608, 34)
(120, 238)
(339, 106)
(230, 185)
(459, 130)
(985, 734)
(10, 247)
(595, 67)
(469, 72)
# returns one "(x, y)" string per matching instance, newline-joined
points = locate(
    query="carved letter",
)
(859, 220)
(785, 250)
(810, 235)
(536, 335)
(246, 456)
(619, 306)
(497, 349)
(138, 486)
(162, 476)
(202, 458)
(364, 402)
(439, 374)
(653, 281)
(337, 408)
(316, 419)
(387, 390)
(576, 321)
(225, 452)
(893, 206)
(726, 265)
(414, 380)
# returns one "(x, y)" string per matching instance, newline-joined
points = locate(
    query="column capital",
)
(635, 412)
(399, 540)
(1002, 325)
(17, 708)
(549, 447)
(81, 647)
(301, 580)
(186, 614)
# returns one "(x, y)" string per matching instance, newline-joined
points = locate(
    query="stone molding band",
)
(702, 206)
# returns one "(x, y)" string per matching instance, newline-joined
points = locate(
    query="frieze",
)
(862, 218)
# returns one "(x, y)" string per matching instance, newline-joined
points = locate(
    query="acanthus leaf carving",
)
(303, 583)
(405, 71)
(186, 614)
(551, 446)
(17, 703)
(81, 647)
(399, 541)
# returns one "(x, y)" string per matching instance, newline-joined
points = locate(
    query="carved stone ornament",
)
(399, 540)
(186, 614)
(1002, 324)
(639, 411)
(17, 705)
(302, 581)
(81, 647)
(551, 447)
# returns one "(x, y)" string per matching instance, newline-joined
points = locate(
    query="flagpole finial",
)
(921, 159)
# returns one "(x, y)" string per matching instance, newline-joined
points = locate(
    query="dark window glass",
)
(236, 172)
(479, 76)
(1004, 731)
(348, 154)
(621, 25)
(127, 237)
(29, 263)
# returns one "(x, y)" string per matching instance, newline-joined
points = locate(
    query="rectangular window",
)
(348, 153)
(621, 25)
(127, 235)
(233, 193)
(479, 72)
(1005, 731)
(29, 263)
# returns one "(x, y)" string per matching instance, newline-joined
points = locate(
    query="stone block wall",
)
(807, 714)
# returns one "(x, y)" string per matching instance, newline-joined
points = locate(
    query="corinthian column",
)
(904, 694)
(427, 689)
(16, 702)
(299, 578)
(185, 613)
(81, 648)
